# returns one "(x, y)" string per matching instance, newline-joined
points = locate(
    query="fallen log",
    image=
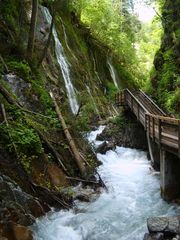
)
(4, 64)
(79, 161)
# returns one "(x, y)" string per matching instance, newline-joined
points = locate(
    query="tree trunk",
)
(78, 158)
(4, 64)
(30, 46)
(47, 43)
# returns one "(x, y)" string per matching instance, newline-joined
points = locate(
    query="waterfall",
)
(66, 41)
(94, 63)
(63, 64)
(113, 73)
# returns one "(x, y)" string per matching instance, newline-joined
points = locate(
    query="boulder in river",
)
(163, 228)
(105, 146)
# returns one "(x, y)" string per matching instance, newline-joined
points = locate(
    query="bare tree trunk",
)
(4, 64)
(30, 46)
(47, 43)
(10, 99)
(7, 124)
(77, 156)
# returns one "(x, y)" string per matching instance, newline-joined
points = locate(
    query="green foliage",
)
(21, 68)
(20, 135)
(177, 34)
(148, 43)
(165, 80)
(26, 161)
(9, 12)
(172, 101)
(25, 138)
(111, 91)
(112, 24)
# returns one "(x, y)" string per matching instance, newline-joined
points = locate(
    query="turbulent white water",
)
(119, 214)
(112, 72)
(63, 63)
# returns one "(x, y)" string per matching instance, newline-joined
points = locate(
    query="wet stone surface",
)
(163, 228)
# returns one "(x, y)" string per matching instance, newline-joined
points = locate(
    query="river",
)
(120, 213)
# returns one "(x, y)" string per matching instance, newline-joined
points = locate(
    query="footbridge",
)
(163, 136)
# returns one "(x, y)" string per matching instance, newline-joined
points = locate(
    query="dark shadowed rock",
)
(105, 146)
(131, 134)
(166, 227)
(17, 211)
(15, 231)
(56, 176)
(154, 236)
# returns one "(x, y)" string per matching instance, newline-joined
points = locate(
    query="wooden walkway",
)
(163, 130)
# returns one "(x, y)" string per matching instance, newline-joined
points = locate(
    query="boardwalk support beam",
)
(170, 172)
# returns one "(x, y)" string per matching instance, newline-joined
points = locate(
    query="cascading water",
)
(66, 41)
(63, 63)
(120, 213)
(97, 75)
(112, 72)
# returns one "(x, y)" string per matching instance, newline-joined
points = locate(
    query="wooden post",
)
(153, 129)
(132, 103)
(159, 131)
(145, 122)
(149, 125)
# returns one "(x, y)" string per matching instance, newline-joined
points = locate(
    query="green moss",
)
(177, 33)
(21, 68)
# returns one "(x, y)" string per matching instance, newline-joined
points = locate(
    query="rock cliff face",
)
(165, 77)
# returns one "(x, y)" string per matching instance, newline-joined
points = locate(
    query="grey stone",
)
(173, 225)
(157, 224)
(105, 146)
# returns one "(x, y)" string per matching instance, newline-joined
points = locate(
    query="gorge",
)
(83, 53)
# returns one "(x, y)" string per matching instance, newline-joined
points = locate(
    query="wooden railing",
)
(165, 131)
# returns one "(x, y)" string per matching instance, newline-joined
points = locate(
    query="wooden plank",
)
(137, 100)
(169, 120)
(153, 103)
(170, 144)
(173, 137)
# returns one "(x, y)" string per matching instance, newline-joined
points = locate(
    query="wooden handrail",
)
(140, 104)
(146, 96)
(169, 120)
(162, 129)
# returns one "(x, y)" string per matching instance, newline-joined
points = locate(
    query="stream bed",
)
(120, 213)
